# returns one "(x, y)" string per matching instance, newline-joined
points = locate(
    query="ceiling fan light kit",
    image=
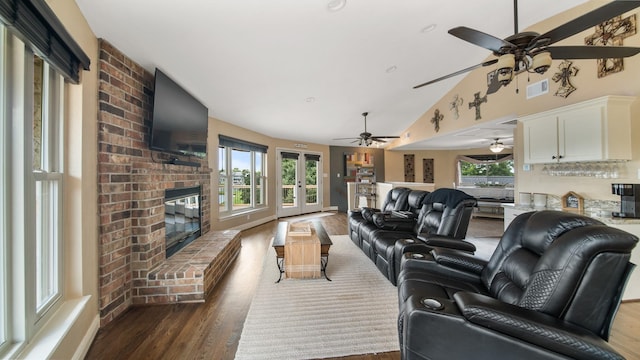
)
(496, 147)
(541, 62)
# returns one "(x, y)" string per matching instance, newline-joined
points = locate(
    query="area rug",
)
(355, 313)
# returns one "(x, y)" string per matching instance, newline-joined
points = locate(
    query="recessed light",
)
(429, 28)
(310, 99)
(336, 5)
(391, 69)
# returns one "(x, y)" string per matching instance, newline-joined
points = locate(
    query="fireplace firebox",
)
(181, 217)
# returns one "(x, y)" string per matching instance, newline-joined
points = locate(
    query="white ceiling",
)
(291, 69)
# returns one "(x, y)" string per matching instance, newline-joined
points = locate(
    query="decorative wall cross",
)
(437, 117)
(453, 106)
(477, 100)
(611, 33)
(567, 70)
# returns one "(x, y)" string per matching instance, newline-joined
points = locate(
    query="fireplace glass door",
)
(181, 218)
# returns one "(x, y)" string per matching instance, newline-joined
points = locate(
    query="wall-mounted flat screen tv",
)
(179, 123)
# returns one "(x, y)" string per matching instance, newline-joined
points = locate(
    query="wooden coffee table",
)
(280, 240)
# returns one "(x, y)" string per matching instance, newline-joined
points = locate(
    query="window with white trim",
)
(32, 179)
(241, 176)
(4, 322)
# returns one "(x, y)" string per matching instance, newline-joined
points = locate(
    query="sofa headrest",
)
(396, 199)
(416, 198)
(543, 227)
(437, 206)
(449, 197)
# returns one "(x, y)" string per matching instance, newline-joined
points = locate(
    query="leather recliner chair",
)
(396, 199)
(550, 291)
(443, 221)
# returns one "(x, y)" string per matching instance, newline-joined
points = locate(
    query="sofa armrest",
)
(387, 221)
(367, 213)
(533, 327)
(458, 260)
(447, 242)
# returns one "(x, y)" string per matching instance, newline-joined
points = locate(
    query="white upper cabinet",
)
(594, 130)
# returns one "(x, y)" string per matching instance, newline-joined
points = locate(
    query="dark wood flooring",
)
(211, 330)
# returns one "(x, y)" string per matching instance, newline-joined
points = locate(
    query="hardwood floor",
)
(212, 330)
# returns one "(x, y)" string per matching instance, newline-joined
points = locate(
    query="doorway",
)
(299, 182)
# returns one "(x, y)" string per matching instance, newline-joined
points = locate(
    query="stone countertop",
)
(609, 220)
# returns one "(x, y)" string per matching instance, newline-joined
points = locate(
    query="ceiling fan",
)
(497, 146)
(366, 138)
(530, 51)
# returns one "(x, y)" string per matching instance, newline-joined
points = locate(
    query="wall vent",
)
(537, 89)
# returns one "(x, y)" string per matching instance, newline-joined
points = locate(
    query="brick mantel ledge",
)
(192, 272)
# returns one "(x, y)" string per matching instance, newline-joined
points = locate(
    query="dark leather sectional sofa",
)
(551, 289)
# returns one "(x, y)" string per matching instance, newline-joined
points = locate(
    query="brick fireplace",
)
(132, 181)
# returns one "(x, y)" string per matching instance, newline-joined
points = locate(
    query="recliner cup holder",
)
(432, 304)
(417, 256)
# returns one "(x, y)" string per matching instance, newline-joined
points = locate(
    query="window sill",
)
(46, 341)
(231, 215)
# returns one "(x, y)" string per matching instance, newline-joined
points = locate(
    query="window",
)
(241, 175)
(486, 171)
(32, 180)
(46, 139)
(4, 322)
(311, 164)
(223, 179)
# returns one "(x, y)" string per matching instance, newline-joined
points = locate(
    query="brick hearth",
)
(132, 181)
(192, 272)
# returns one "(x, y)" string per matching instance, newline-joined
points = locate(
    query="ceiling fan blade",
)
(385, 137)
(592, 18)
(486, 63)
(592, 52)
(481, 39)
(494, 85)
(348, 138)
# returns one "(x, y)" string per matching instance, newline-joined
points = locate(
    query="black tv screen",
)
(179, 123)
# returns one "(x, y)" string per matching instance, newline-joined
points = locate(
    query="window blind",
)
(37, 25)
(241, 144)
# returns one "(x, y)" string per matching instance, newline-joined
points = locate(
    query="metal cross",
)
(477, 100)
(453, 105)
(437, 117)
(567, 70)
(611, 33)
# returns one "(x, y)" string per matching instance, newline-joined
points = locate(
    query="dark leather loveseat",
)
(550, 291)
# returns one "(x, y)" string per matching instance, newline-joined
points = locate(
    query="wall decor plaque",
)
(572, 202)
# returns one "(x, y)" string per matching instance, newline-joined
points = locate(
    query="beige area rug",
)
(356, 313)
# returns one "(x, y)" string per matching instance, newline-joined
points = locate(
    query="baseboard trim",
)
(255, 223)
(87, 340)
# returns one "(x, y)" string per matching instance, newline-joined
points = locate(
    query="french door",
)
(299, 182)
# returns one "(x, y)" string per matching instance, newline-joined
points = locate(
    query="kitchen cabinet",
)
(511, 212)
(594, 130)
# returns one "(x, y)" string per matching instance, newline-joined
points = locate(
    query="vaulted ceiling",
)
(306, 70)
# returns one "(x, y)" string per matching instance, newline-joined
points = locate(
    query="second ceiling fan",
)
(366, 138)
(530, 51)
